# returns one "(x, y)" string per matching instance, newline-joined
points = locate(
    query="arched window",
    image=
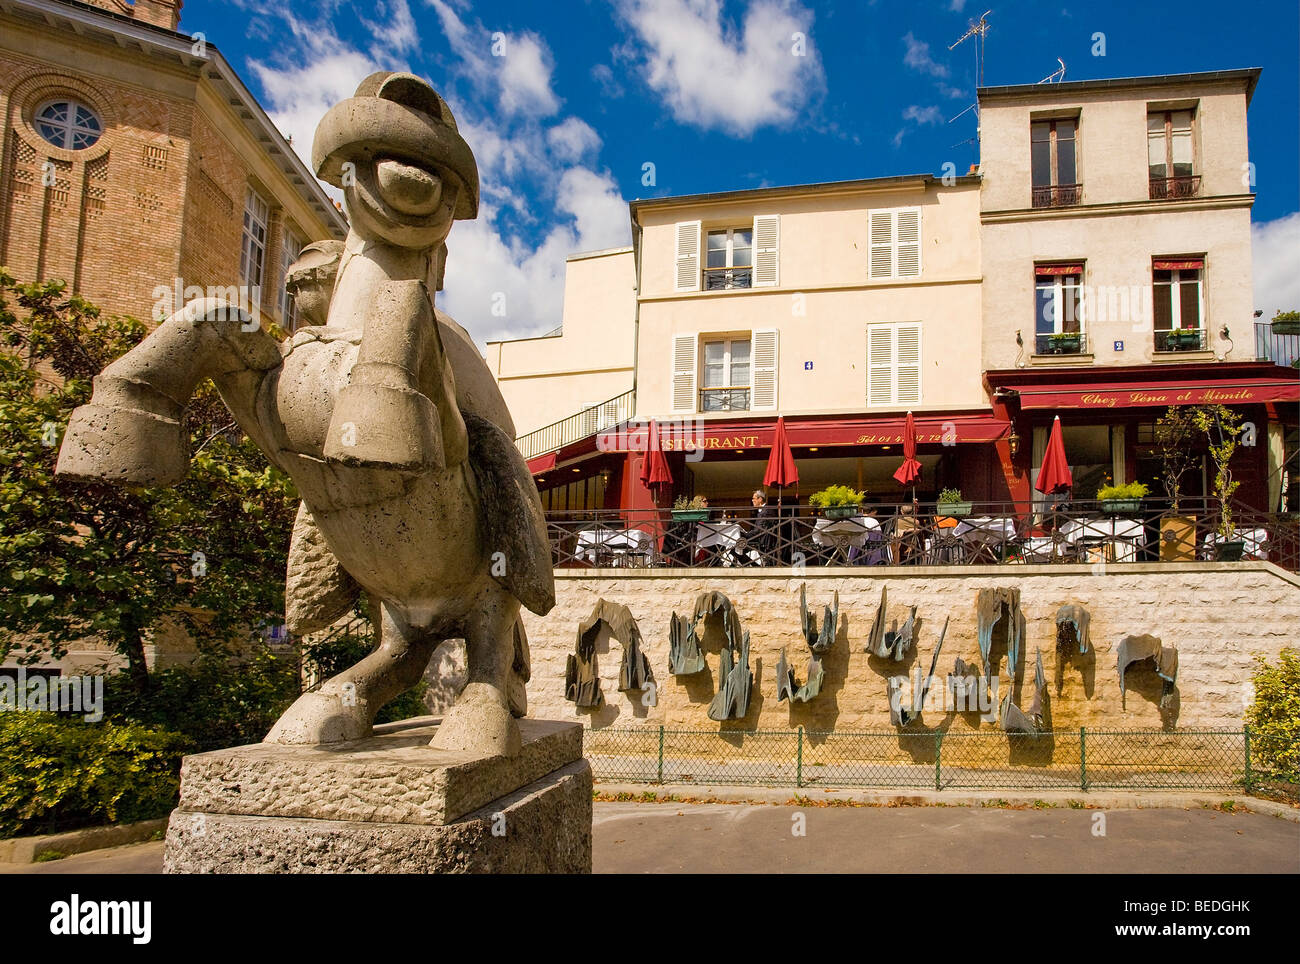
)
(68, 124)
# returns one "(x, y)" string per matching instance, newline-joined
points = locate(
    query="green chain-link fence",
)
(1224, 760)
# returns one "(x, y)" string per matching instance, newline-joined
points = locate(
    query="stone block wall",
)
(1219, 616)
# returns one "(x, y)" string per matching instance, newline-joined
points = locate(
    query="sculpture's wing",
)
(477, 392)
(318, 591)
(513, 523)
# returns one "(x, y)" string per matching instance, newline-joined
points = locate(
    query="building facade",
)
(1095, 266)
(138, 168)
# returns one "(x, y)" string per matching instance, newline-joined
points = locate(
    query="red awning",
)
(1097, 395)
(748, 433)
(542, 463)
(1187, 264)
(1051, 270)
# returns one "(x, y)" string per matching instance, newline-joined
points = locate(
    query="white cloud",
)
(573, 139)
(398, 34)
(517, 66)
(953, 92)
(1275, 250)
(923, 115)
(957, 6)
(715, 75)
(610, 88)
(918, 57)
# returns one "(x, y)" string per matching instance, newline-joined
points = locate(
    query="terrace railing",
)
(1280, 349)
(984, 533)
(589, 421)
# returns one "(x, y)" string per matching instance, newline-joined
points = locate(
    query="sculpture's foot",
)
(384, 426)
(480, 723)
(129, 446)
(320, 717)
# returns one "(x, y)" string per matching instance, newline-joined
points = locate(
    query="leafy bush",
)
(1274, 716)
(835, 495)
(59, 774)
(1132, 490)
(682, 503)
(949, 496)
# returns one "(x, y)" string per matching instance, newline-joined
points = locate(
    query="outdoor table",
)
(1122, 533)
(843, 534)
(1255, 543)
(986, 535)
(601, 542)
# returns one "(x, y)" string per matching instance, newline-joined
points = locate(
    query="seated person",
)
(762, 530)
(908, 540)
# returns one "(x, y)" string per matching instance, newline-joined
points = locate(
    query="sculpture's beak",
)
(409, 189)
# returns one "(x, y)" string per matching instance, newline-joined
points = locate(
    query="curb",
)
(1089, 800)
(24, 850)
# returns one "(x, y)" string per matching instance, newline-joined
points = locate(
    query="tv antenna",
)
(977, 29)
(1056, 76)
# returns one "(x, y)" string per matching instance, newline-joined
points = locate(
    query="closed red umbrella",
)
(910, 470)
(1054, 476)
(781, 470)
(654, 467)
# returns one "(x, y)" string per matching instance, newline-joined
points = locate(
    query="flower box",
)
(690, 515)
(842, 511)
(957, 510)
(1121, 506)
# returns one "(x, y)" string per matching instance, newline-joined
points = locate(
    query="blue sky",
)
(565, 102)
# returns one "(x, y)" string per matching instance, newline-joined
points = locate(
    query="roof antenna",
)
(1056, 76)
(977, 29)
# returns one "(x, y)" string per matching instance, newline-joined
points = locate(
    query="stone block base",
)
(389, 804)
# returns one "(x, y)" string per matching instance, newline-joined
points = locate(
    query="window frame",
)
(1168, 138)
(729, 384)
(1053, 155)
(289, 240)
(727, 269)
(1175, 284)
(252, 200)
(69, 127)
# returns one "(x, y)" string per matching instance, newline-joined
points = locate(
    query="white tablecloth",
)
(723, 534)
(592, 542)
(987, 529)
(1125, 532)
(844, 532)
(1256, 543)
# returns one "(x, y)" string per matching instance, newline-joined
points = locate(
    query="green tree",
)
(1221, 426)
(82, 560)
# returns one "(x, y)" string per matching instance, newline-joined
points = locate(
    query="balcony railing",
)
(577, 426)
(1171, 188)
(993, 533)
(1280, 349)
(1057, 195)
(724, 399)
(721, 279)
(1061, 343)
(1180, 339)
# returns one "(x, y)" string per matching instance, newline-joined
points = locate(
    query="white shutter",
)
(880, 365)
(907, 364)
(907, 238)
(767, 256)
(880, 243)
(589, 413)
(688, 256)
(764, 369)
(684, 372)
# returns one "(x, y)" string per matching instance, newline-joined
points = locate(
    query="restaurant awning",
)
(750, 433)
(542, 463)
(1107, 395)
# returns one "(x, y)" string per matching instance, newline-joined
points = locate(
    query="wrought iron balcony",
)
(721, 279)
(1057, 195)
(724, 400)
(589, 421)
(1172, 188)
(1280, 348)
(1061, 343)
(1180, 339)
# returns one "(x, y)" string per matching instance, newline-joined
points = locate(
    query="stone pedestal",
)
(387, 804)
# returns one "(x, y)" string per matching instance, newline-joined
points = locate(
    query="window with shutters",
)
(1178, 303)
(1169, 155)
(687, 267)
(730, 259)
(726, 375)
(1058, 300)
(599, 415)
(252, 255)
(894, 249)
(893, 364)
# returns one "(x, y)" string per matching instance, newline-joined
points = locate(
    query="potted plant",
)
(1173, 435)
(1221, 426)
(1064, 343)
(951, 504)
(1184, 339)
(690, 510)
(1286, 323)
(1122, 499)
(838, 501)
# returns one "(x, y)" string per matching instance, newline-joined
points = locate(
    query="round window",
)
(68, 124)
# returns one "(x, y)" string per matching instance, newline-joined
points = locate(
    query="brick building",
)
(133, 156)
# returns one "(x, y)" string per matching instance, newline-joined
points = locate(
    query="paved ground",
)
(706, 838)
